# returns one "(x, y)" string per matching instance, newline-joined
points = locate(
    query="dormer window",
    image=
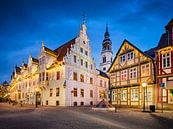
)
(130, 55)
(122, 58)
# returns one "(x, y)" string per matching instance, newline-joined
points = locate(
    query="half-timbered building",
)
(130, 71)
(164, 56)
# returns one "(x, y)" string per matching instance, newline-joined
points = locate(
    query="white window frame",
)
(123, 75)
(124, 95)
(130, 55)
(133, 73)
(122, 58)
(166, 58)
(144, 68)
(134, 94)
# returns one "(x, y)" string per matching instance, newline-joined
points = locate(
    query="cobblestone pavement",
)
(27, 117)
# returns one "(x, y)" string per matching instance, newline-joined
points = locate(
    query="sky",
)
(25, 23)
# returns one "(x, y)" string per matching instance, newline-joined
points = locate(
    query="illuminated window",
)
(145, 71)
(123, 95)
(148, 96)
(82, 92)
(123, 75)
(133, 73)
(134, 94)
(82, 78)
(91, 93)
(166, 60)
(75, 76)
(75, 92)
(113, 96)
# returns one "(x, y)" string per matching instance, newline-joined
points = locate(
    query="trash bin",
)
(152, 108)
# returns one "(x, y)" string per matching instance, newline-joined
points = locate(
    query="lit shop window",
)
(145, 71)
(134, 95)
(166, 60)
(148, 96)
(123, 95)
(113, 95)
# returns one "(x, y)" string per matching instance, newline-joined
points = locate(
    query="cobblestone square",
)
(15, 117)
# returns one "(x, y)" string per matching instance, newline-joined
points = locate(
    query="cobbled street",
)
(15, 117)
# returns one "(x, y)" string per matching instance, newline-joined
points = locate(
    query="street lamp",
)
(36, 97)
(144, 84)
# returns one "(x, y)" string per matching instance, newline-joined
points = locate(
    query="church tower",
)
(106, 53)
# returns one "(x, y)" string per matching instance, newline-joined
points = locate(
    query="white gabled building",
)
(66, 76)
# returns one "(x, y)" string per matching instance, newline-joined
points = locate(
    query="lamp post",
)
(144, 89)
(36, 97)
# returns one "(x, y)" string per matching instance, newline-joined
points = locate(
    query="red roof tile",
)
(62, 50)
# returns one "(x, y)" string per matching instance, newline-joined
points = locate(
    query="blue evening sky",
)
(24, 23)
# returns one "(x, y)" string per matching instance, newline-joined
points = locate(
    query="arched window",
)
(104, 59)
(108, 47)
